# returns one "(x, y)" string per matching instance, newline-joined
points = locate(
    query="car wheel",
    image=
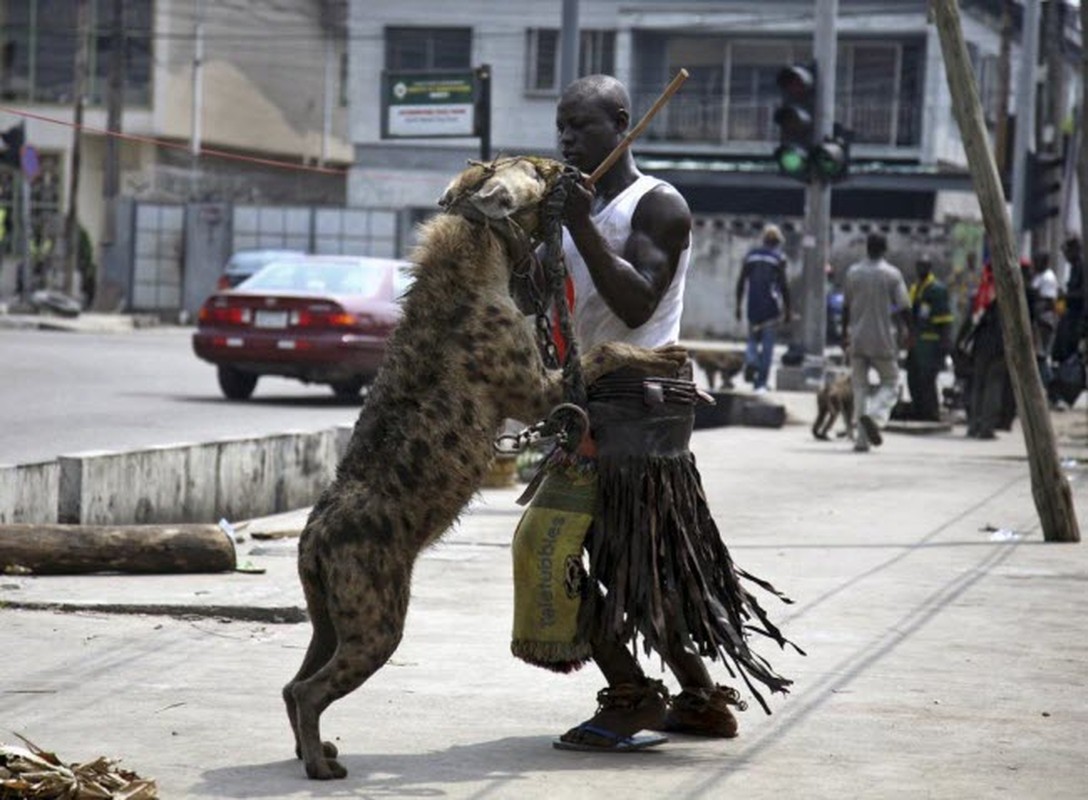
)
(236, 385)
(349, 388)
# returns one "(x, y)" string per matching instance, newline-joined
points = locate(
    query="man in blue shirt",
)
(764, 274)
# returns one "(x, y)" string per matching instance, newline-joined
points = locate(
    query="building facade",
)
(252, 82)
(715, 138)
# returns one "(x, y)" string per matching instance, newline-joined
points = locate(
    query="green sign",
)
(428, 104)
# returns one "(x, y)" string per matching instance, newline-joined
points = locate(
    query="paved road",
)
(64, 392)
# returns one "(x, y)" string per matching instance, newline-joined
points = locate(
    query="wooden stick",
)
(636, 131)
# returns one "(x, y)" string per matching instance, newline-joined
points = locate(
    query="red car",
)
(321, 319)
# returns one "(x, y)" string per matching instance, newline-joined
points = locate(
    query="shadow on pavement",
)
(500, 763)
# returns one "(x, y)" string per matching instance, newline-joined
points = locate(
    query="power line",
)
(171, 145)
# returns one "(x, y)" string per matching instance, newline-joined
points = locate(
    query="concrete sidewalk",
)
(946, 657)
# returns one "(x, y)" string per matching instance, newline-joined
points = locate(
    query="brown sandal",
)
(702, 712)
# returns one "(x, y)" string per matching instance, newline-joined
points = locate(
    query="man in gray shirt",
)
(875, 297)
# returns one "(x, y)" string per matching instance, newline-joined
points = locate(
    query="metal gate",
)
(274, 227)
(157, 256)
(333, 231)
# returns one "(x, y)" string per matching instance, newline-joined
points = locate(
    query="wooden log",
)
(1049, 486)
(81, 549)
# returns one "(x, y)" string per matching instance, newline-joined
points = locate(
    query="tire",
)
(349, 389)
(236, 385)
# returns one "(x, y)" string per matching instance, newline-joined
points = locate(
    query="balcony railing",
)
(710, 119)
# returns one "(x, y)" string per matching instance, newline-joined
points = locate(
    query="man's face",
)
(587, 134)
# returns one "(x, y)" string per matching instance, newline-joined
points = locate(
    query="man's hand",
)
(579, 205)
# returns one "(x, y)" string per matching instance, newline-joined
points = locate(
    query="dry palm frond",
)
(35, 774)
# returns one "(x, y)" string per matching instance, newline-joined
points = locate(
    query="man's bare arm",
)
(633, 282)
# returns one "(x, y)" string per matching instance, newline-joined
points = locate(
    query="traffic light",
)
(796, 121)
(14, 138)
(1042, 185)
(831, 157)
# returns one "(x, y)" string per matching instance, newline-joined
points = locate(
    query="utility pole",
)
(817, 235)
(198, 80)
(1050, 135)
(1025, 117)
(568, 46)
(79, 89)
(1004, 83)
(115, 99)
(1049, 486)
(329, 91)
(1082, 130)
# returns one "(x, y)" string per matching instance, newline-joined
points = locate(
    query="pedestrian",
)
(1044, 315)
(983, 343)
(1067, 337)
(932, 325)
(657, 567)
(763, 273)
(875, 301)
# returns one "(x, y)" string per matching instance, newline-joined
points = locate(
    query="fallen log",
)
(140, 549)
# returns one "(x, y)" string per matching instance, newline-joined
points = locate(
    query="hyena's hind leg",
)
(368, 613)
(320, 650)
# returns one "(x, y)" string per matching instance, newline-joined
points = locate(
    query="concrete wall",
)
(203, 482)
(28, 493)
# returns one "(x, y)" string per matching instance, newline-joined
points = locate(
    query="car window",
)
(251, 260)
(336, 277)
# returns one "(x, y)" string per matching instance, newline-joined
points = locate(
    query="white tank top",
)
(594, 321)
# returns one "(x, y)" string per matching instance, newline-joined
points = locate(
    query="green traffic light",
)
(831, 160)
(793, 161)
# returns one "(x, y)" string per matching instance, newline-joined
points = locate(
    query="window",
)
(38, 40)
(428, 48)
(866, 92)
(596, 55)
(878, 92)
(44, 198)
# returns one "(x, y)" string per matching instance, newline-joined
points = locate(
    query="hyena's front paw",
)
(665, 361)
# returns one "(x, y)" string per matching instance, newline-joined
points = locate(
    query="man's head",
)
(592, 117)
(923, 266)
(876, 245)
(772, 235)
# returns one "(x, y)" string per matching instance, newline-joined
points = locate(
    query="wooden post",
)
(82, 549)
(1049, 486)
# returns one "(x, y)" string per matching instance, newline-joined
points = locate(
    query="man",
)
(932, 319)
(1067, 338)
(627, 248)
(764, 274)
(875, 300)
(1043, 301)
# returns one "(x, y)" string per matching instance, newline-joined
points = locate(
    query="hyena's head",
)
(506, 189)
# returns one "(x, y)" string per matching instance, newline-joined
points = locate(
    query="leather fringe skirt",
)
(656, 558)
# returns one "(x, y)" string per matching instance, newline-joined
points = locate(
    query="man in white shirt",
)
(875, 298)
